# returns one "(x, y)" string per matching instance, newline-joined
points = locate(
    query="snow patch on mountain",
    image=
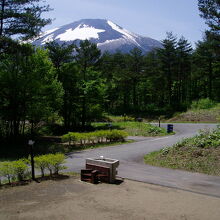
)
(82, 32)
(110, 42)
(126, 34)
(48, 39)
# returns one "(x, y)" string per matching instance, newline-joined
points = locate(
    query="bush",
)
(116, 135)
(67, 138)
(203, 104)
(95, 137)
(55, 162)
(205, 139)
(6, 170)
(52, 162)
(20, 169)
(41, 162)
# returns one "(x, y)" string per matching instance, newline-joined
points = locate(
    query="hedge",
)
(52, 162)
(94, 137)
(20, 169)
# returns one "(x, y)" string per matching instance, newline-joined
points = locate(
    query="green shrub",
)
(95, 137)
(203, 104)
(101, 135)
(205, 139)
(6, 170)
(41, 162)
(116, 135)
(19, 169)
(67, 138)
(55, 162)
(154, 130)
(91, 137)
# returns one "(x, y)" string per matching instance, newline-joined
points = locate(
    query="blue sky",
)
(152, 18)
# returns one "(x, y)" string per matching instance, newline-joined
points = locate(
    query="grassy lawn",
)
(134, 128)
(198, 154)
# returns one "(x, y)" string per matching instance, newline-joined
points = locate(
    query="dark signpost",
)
(31, 143)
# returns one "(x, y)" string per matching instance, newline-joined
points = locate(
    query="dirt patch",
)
(73, 199)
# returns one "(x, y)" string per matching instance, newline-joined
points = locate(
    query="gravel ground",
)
(72, 199)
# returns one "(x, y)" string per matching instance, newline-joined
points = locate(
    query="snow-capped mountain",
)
(107, 35)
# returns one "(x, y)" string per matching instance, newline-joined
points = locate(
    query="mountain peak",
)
(106, 34)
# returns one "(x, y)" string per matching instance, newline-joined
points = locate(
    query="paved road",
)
(133, 167)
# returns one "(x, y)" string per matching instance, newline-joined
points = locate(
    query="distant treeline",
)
(70, 85)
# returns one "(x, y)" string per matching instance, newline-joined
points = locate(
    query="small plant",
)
(203, 104)
(6, 170)
(41, 162)
(20, 169)
(67, 138)
(55, 162)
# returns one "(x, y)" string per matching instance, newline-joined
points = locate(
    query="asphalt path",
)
(132, 164)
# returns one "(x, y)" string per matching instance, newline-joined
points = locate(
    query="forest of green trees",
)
(75, 85)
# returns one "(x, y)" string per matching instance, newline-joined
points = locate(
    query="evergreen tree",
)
(60, 54)
(168, 59)
(87, 55)
(135, 63)
(206, 70)
(184, 51)
(210, 11)
(22, 18)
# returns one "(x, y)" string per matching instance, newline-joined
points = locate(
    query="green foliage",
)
(55, 162)
(198, 154)
(6, 170)
(20, 169)
(52, 162)
(22, 18)
(30, 92)
(14, 169)
(203, 104)
(205, 139)
(134, 128)
(210, 12)
(94, 137)
(116, 135)
(41, 162)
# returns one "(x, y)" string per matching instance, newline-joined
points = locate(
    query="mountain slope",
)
(107, 35)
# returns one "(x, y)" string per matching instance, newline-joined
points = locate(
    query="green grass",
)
(198, 154)
(134, 128)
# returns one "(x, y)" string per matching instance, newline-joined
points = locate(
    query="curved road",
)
(133, 167)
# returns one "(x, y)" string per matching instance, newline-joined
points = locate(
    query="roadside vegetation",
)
(19, 170)
(133, 128)
(197, 154)
(102, 136)
(203, 110)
